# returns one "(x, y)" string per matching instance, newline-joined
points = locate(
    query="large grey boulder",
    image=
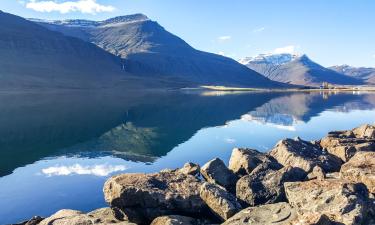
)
(342, 201)
(304, 155)
(265, 186)
(33, 221)
(221, 202)
(143, 197)
(344, 144)
(175, 220)
(215, 171)
(360, 169)
(275, 214)
(245, 160)
(72, 217)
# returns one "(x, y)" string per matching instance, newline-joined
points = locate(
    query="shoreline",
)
(343, 89)
(328, 181)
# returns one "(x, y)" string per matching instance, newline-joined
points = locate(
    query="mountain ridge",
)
(149, 50)
(297, 69)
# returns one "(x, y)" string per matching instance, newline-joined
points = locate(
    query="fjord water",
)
(57, 149)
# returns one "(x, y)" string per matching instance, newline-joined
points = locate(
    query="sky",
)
(330, 32)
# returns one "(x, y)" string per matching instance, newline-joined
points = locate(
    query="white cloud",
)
(258, 30)
(97, 170)
(82, 6)
(224, 38)
(291, 49)
(373, 55)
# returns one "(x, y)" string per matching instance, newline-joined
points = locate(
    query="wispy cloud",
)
(82, 6)
(291, 49)
(96, 170)
(224, 38)
(258, 30)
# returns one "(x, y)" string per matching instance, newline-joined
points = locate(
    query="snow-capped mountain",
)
(274, 59)
(88, 23)
(366, 74)
(296, 69)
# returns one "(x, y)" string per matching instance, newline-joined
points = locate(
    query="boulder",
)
(312, 219)
(143, 197)
(275, 214)
(221, 202)
(33, 221)
(364, 131)
(344, 144)
(174, 220)
(190, 169)
(342, 201)
(215, 171)
(73, 217)
(243, 161)
(265, 186)
(360, 169)
(316, 173)
(304, 155)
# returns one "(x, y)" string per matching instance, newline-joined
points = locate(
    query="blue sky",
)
(330, 32)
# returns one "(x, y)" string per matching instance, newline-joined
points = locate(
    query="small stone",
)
(190, 169)
(316, 173)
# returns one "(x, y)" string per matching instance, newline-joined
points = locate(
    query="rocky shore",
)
(330, 181)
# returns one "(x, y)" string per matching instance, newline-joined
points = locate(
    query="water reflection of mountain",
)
(134, 126)
(301, 107)
(34, 126)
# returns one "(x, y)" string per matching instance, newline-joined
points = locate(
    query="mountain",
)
(148, 50)
(367, 74)
(296, 69)
(32, 55)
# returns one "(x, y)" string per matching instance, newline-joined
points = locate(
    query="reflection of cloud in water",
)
(230, 140)
(96, 170)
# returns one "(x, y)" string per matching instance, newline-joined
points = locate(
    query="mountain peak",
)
(274, 59)
(126, 19)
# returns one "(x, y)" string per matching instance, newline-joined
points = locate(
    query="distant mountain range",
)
(149, 51)
(296, 69)
(366, 74)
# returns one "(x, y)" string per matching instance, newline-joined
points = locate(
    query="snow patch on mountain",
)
(274, 59)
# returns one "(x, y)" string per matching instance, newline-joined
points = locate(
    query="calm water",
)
(57, 150)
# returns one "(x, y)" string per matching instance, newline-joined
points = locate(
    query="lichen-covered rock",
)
(33, 221)
(72, 217)
(265, 186)
(304, 155)
(174, 220)
(143, 197)
(344, 144)
(316, 173)
(221, 202)
(215, 171)
(243, 161)
(312, 219)
(190, 169)
(360, 169)
(364, 131)
(275, 214)
(342, 201)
